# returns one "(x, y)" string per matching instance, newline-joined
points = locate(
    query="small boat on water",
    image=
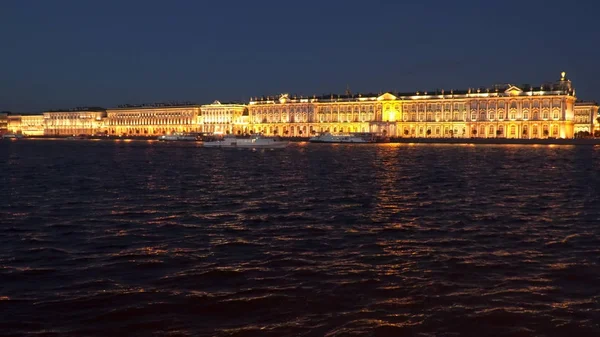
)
(255, 141)
(12, 136)
(338, 138)
(179, 137)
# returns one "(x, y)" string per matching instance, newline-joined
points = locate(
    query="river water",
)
(114, 238)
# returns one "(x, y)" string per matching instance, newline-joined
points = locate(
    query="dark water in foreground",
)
(126, 239)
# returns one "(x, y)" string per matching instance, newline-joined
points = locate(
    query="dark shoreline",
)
(500, 141)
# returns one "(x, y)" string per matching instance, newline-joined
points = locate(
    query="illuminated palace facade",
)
(548, 111)
(153, 120)
(504, 111)
(225, 118)
(71, 122)
(586, 119)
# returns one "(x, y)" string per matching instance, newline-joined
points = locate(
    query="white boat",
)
(255, 141)
(12, 136)
(337, 138)
(179, 137)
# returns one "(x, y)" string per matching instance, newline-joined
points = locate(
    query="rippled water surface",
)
(142, 238)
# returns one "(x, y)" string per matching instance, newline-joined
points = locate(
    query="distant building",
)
(76, 122)
(153, 120)
(224, 118)
(28, 125)
(586, 114)
(3, 122)
(13, 123)
(285, 116)
(504, 111)
(597, 125)
(32, 125)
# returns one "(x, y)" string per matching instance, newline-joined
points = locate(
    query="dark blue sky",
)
(68, 53)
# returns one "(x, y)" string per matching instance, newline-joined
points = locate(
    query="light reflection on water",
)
(387, 239)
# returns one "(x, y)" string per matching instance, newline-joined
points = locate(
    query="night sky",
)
(68, 53)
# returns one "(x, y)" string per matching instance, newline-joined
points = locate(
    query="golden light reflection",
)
(389, 144)
(153, 251)
(122, 233)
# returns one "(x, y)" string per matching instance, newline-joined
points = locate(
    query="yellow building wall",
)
(152, 121)
(33, 125)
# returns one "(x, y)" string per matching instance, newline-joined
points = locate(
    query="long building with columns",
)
(225, 118)
(84, 121)
(586, 118)
(504, 111)
(153, 120)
